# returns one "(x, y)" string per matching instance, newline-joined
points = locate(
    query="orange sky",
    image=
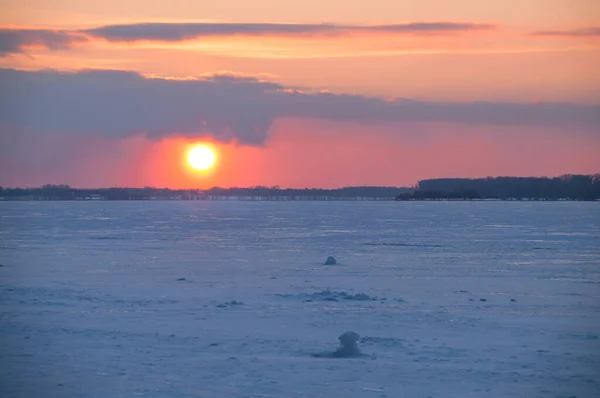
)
(541, 51)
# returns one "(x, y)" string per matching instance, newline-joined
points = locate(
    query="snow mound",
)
(330, 261)
(348, 347)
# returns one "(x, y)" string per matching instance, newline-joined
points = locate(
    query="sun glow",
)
(201, 157)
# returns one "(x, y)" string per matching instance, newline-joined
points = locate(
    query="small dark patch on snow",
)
(470, 299)
(482, 299)
(359, 296)
(385, 341)
(232, 303)
(60, 385)
(273, 277)
(330, 261)
(328, 295)
(462, 291)
(180, 279)
(401, 244)
(513, 300)
(213, 344)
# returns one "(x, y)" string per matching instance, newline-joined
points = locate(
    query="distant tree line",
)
(346, 192)
(569, 187)
(65, 192)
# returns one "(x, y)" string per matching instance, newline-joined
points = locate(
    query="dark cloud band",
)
(120, 104)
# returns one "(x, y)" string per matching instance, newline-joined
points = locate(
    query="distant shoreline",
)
(287, 199)
(564, 188)
(67, 193)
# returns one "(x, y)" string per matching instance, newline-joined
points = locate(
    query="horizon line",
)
(279, 187)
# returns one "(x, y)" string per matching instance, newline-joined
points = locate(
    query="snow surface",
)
(231, 299)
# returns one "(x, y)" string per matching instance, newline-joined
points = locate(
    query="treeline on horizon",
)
(65, 192)
(565, 187)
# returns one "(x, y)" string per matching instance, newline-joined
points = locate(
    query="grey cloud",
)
(432, 27)
(585, 32)
(184, 31)
(16, 40)
(119, 104)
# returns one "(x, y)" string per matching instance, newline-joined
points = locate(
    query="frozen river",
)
(230, 299)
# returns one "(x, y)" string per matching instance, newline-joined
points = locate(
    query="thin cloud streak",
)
(188, 31)
(122, 104)
(575, 33)
(16, 40)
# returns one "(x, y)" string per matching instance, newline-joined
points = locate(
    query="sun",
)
(201, 157)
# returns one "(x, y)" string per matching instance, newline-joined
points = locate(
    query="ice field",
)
(231, 299)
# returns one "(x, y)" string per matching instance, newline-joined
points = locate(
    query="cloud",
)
(18, 40)
(584, 32)
(188, 31)
(122, 104)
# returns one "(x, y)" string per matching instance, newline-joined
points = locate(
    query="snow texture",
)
(229, 299)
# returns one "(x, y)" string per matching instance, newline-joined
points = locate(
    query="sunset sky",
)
(312, 93)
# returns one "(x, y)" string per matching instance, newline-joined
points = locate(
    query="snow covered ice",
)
(231, 299)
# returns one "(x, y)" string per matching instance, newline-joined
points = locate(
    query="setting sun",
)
(201, 157)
